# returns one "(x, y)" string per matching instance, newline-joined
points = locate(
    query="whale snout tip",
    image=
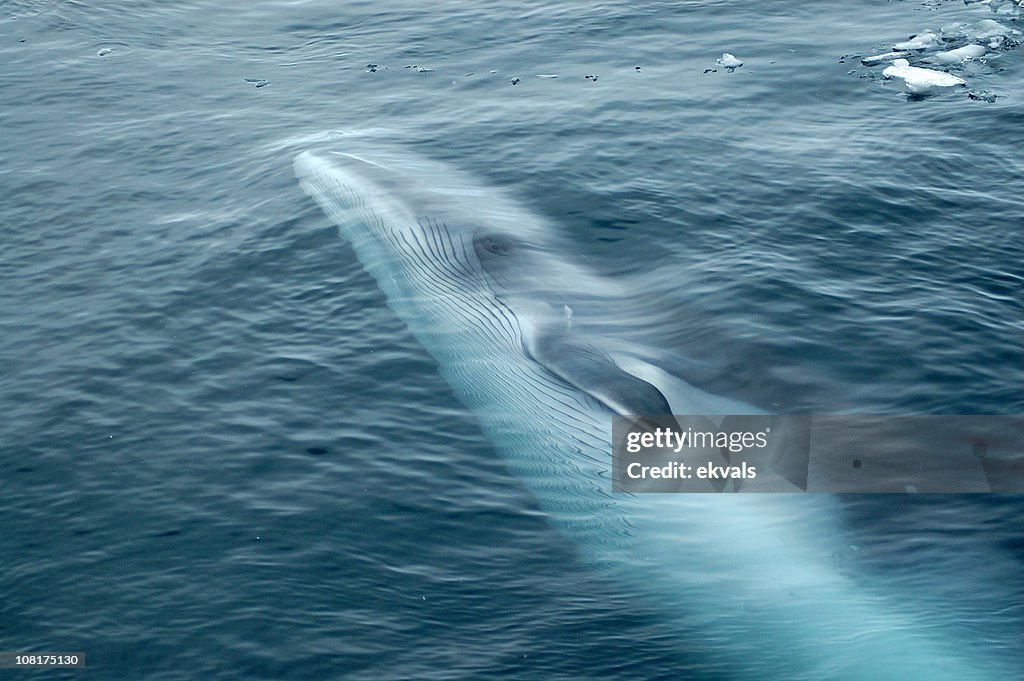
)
(303, 162)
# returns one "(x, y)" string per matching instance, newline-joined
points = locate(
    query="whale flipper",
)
(593, 371)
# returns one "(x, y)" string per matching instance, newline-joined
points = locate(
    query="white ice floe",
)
(879, 58)
(986, 31)
(959, 55)
(988, 28)
(996, 5)
(729, 61)
(920, 81)
(994, 32)
(920, 41)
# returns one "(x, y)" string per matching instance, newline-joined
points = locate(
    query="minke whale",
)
(521, 332)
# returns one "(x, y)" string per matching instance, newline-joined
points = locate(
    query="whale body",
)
(517, 329)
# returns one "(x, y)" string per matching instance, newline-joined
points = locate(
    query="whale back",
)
(480, 282)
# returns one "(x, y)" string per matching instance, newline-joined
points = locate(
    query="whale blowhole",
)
(496, 244)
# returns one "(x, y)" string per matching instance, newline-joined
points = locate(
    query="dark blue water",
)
(223, 456)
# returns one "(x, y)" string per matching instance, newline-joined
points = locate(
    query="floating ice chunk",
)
(879, 58)
(995, 33)
(982, 96)
(920, 41)
(729, 61)
(920, 81)
(959, 55)
(995, 5)
(108, 48)
(954, 31)
(990, 28)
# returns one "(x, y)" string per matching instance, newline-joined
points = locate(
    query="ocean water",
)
(223, 456)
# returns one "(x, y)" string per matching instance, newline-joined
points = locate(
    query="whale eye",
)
(497, 244)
